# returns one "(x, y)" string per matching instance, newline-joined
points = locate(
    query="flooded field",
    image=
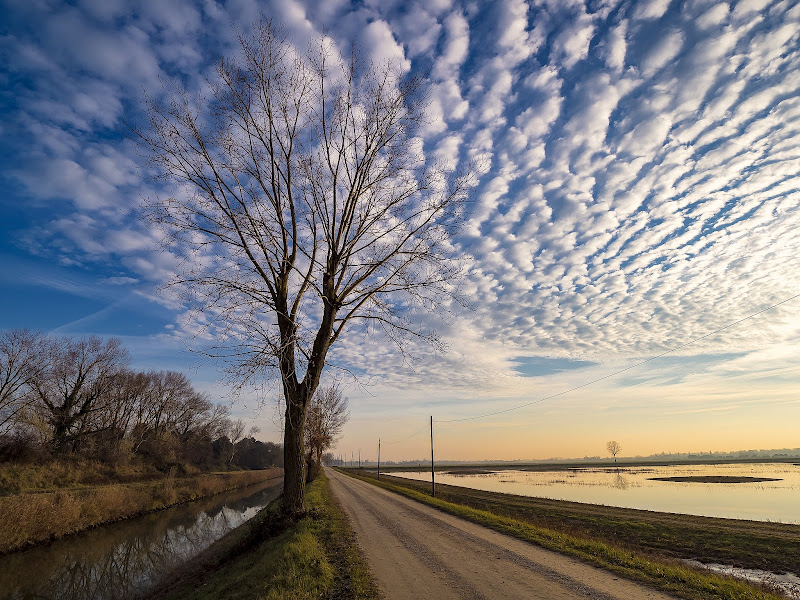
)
(124, 560)
(636, 487)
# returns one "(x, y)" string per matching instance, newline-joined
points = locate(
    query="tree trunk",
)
(61, 425)
(294, 458)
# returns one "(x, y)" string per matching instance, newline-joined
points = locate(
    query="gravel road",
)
(418, 552)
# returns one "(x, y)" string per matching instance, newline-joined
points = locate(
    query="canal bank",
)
(28, 519)
(126, 559)
(313, 557)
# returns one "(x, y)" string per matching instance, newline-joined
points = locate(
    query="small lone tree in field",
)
(302, 204)
(614, 448)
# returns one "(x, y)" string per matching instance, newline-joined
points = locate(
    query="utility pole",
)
(433, 480)
(379, 458)
(359, 458)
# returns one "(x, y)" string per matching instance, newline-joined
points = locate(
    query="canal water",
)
(634, 487)
(125, 559)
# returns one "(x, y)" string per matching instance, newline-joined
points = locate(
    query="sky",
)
(633, 227)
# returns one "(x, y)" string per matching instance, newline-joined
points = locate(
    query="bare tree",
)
(234, 432)
(302, 206)
(327, 414)
(614, 448)
(77, 375)
(21, 359)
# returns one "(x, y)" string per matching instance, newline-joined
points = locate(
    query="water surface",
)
(631, 487)
(124, 560)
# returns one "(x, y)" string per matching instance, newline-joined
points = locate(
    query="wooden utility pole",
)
(433, 480)
(379, 458)
(359, 458)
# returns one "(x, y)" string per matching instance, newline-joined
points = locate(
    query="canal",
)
(126, 559)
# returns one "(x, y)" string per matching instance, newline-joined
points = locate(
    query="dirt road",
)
(418, 552)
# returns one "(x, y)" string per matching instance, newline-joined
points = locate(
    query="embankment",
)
(27, 519)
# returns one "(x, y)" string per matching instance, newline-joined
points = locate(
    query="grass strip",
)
(679, 580)
(315, 557)
(28, 519)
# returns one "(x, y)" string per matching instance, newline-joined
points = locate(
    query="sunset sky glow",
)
(639, 188)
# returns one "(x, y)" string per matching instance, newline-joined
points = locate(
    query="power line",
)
(639, 364)
(423, 428)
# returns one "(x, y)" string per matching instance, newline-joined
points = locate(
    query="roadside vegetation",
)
(271, 557)
(639, 545)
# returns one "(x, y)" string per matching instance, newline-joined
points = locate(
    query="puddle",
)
(788, 583)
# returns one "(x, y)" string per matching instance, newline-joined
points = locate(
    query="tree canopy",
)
(303, 202)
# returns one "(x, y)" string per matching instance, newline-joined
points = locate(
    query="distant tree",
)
(327, 414)
(234, 431)
(21, 359)
(305, 198)
(77, 375)
(614, 448)
(254, 454)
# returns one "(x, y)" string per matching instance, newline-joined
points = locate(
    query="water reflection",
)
(125, 559)
(632, 487)
(619, 481)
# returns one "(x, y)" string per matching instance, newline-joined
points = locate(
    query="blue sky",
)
(637, 189)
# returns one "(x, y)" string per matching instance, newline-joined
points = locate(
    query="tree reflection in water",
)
(619, 481)
(125, 559)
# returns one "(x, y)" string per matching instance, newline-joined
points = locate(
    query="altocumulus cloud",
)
(637, 161)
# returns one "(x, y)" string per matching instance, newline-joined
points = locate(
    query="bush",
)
(20, 446)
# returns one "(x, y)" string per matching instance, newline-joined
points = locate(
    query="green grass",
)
(313, 558)
(655, 571)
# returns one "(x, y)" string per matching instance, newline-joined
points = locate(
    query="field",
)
(488, 467)
(748, 544)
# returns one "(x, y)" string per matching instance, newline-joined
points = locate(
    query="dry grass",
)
(69, 473)
(31, 518)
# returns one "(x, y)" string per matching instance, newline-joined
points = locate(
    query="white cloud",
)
(382, 48)
(615, 47)
(572, 44)
(619, 212)
(455, 48)
(419, 31)
(650, 9)
(536, 120)
(447, 151)
(714, 16)
(747, 7)
(512, 25)
(647, 137)
(662, 52)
